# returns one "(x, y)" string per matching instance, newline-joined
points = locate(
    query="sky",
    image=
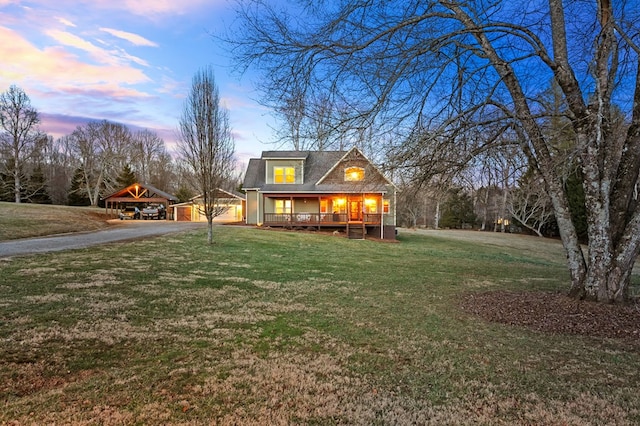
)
(128, 62)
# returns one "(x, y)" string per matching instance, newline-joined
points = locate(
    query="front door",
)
(355, 211)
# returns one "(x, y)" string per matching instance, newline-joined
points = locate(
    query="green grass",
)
(268, 327)
(26, 220)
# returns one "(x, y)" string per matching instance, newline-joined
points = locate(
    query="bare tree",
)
(530, 205)
(148, 147)
(59, 159)
(18, 120)
(293, 111)
(459, 66)
(102, 149)
(206, 143)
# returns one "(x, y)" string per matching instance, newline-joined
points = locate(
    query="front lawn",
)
(272, 327)
(25, 220)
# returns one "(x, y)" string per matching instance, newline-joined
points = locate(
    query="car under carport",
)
(138, 195)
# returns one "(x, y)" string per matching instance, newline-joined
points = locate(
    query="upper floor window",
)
(353, 174)
(284, 175)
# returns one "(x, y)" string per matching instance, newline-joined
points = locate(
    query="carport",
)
(139, 195)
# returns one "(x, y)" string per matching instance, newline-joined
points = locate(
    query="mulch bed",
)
(556, 313)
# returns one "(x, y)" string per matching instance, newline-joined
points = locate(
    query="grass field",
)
(35, 220)
(269, 327)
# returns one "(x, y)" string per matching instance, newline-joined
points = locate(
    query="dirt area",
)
(556, 313)
(545, 312)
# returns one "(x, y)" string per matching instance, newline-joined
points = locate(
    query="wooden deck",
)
(320, 219)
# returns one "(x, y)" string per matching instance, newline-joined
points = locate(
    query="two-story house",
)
(320, 189)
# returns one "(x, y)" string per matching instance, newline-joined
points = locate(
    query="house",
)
(339, 190)
(139, 195)
(229, 204)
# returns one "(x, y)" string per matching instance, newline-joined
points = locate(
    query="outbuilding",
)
(139, 195)
(230, 203)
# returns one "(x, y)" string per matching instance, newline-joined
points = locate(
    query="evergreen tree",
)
(126, 177)
(457, 211)
(184, 194)
(77, 193)
(36, 190)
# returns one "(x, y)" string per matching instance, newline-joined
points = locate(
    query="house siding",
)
(296, 164)
(254, 211)
(371, 175)
(320, 176)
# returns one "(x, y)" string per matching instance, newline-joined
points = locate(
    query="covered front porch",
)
(348, 211)
(319, 219)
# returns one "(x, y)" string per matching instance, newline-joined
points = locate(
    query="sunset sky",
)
(128, 61)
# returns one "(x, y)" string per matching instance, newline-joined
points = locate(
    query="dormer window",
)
(353, 174)
(284, 175)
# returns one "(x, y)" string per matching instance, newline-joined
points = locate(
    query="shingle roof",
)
(317, 164)
(285, 154)
(254, 177)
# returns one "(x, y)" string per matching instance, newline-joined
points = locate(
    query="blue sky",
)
(128, 61)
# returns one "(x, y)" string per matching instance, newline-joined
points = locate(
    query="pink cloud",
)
(130, 37)
(23, 62)
(72, 40)
(143, 8)
(65, 22)
(58, 125)
(113, 57)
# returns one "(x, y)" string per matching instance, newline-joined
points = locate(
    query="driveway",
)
(117, 231)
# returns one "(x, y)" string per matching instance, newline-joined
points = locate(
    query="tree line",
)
(96, 159)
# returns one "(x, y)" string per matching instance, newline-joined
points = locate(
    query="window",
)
(353, 174)
(284, 175)
(385, 206)
(339, 205)
(324, 206)
(371, 205)
(283, 206)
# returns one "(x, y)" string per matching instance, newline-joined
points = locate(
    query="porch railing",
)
(318, 219)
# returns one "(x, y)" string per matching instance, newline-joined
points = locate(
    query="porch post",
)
(363, 207)
(382, 216)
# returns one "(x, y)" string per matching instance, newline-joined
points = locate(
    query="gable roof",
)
(252, 177)
(231, 194)
(317, 166)
(141, 191)
(349, 153)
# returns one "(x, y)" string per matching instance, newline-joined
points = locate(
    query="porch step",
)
(356, 233)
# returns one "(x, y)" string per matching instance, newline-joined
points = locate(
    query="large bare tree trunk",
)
(603, 275)
(466, 73)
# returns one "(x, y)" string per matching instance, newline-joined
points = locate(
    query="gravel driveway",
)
(117, 231)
